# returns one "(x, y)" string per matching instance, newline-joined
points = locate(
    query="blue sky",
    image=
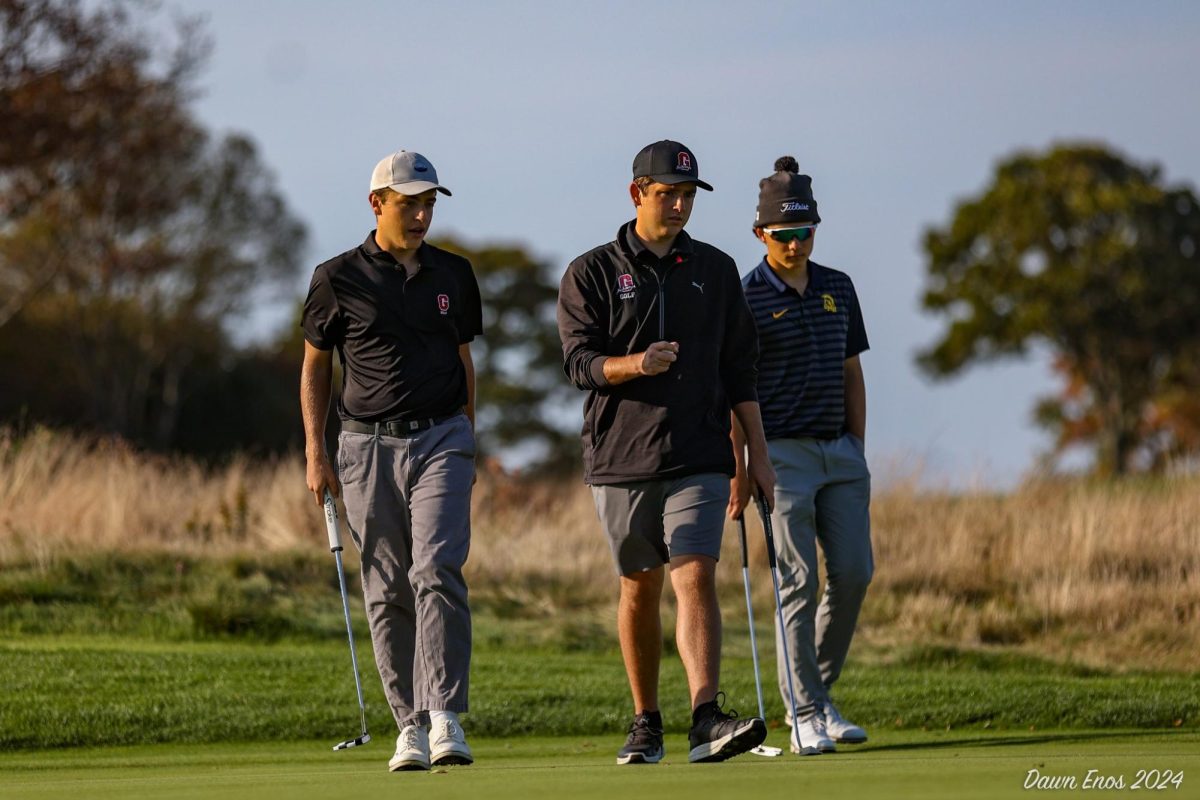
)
(533, 111)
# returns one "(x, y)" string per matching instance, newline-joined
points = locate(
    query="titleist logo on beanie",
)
(786, 197)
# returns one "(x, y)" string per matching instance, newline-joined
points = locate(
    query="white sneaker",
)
(810, 738)
(841, 729)
(448, 745)
(412, 749)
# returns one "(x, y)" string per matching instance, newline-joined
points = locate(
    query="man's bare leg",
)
(639, 627)
(698, 625)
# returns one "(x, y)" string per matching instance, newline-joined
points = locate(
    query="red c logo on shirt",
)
(443, 303)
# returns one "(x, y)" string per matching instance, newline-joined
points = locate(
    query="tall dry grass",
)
(1098, 573)
(1104, 573)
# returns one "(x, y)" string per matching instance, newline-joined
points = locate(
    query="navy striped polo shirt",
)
(804, 341)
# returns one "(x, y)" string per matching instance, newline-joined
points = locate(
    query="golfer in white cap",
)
(401, 314)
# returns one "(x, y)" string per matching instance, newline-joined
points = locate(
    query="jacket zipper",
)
(662, 308)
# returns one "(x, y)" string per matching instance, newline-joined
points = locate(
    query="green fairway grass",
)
(84, 691)
(905, 764)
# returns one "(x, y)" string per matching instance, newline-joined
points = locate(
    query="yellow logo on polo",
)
(778, 314)
(830, 306)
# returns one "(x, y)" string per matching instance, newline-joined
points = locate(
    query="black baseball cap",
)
(668, 162)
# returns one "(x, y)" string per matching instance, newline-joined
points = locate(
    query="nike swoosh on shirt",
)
(778, 314)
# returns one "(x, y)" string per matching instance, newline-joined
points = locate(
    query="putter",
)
(335, 547)
(787, 661)
(762, 749)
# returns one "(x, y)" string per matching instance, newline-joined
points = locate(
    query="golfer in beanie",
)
(814, 409)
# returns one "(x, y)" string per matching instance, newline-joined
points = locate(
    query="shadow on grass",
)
(1015, 740)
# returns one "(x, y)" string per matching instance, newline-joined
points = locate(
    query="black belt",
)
(401, 428)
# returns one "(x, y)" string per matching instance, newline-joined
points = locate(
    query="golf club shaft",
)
(750, 617)
(362, 709)
(765, 513)
(335, 545)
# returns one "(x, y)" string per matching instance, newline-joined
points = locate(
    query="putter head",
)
(346, 745)
(767, 751)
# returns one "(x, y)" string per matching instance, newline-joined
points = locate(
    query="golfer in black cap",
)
(655, 328)
(814, 412)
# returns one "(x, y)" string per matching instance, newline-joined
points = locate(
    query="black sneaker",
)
(716, 735)
(644, 744)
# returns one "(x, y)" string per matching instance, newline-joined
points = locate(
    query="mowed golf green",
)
(893, 765)
(113, 716)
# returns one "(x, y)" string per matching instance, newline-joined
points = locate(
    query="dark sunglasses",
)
(785, 235)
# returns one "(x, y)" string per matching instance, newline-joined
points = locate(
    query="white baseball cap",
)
(407, 173)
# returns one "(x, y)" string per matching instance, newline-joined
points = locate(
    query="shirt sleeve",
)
(739, 351)
(581, 308)
(322, 320)
(856, 334)
(470, 317)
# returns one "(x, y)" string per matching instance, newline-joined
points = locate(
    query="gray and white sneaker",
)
(412, 749)
(810, 738)
(448, 745)
(841, 729)
(644, 744)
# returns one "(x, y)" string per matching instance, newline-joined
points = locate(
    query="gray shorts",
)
(650, 522)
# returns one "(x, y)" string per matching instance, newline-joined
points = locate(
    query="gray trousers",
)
(822, 494)
(408, 505)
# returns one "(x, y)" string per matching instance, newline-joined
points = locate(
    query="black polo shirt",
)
(804, 341)
(397, 337)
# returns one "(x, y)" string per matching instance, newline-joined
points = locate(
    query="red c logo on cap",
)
(684, 162)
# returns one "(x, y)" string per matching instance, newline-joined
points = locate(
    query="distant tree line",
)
(133, 243)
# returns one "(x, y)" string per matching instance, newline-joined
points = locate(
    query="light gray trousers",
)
(822, 494)
(408, 505)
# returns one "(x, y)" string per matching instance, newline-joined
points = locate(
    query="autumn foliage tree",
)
(1095, 257)
(131, 240)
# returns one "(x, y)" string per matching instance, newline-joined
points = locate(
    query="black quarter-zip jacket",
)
(620, 298)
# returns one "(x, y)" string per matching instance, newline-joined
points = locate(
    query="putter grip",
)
(741, 521)
(767, 530)
(331, 523)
